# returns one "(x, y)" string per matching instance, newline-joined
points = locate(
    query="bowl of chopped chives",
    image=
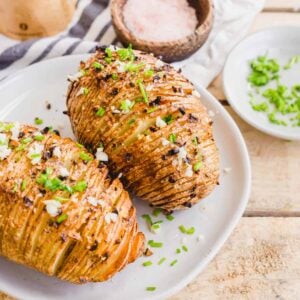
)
(261, 81)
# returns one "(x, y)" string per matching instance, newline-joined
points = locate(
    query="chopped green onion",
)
(174, 262)
(85, 91)
(38, 121)
(23, 185)
(190, 230)
(108, 52)
(126, 105)
(100, 112)
(62, 218)
(131, 121)
(39, 137)
(152, 109)
(147, 263)
(185, 248)
(79, 145)
(61, 199)
(172, 138)
(126, 53)
(170, 217)
(142, 90)
(197, 166)
(97, 65)
(148, 220)
(114, 76)
(161, 261)
(151, 288)
(85, 157)
(168, 119)
(153, 244)
(195, 141)
(156, 212)
(80, 186)
(178, 251)
(293, 60)
(148, 73)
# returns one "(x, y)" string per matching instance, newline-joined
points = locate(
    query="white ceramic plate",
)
(23, 97)
(278, 42)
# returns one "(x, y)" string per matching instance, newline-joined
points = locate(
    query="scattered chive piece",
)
(168, 119)
(39, 137)
(85, 91)
(80, 186)
(151, 288)
(61, 199)
(147, 263)
(153, 244)
(185, 230)
(170, 217)
(155, 226)
(156, 212)
(174, 262)
(260, 106)
(148, 220)
(79, 145)
(126, 105)
(293, 60)
(108, 52)
(152, 109)
(23, 185)
(185, 248)
(100, 112)
(62, 218)
(126, 53)
(142, 90)
(172, 138)
(131, 121)
(178, 251)
(195, 141)
(86, 157)
(38, 121)
(197, 166)
(35, 155)
(148, 73)
(97, 65)
(114, 76)
(161, 261)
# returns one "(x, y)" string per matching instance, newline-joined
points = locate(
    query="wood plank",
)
(260, 261)
(282, 5)
(275, 163)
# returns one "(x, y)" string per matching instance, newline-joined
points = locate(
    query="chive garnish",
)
(39, 137)
(174, 262)
(80, 186)
(152, 109)
(97, 65)
(38, 121)
(148, 220)
(151, 288)
(185, 248)
(114, 76)
(148, 73)
(197, 166)
(23, 185)
(161, 261)
(100, 112)
(147, 263)
(190, 230)
(85, 91)
(61, 199)
(142, 90)
(61, 218)
(170, 217)
(178, 251)
(168, 119)
(85, 157)
(156, 212)
(172, 138)
(154, 244)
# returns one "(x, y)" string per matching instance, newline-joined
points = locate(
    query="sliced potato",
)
(151, 123)
(60, 212)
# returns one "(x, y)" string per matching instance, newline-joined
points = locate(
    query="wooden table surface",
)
(261, 259)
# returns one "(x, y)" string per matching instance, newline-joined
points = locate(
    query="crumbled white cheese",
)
(64, 172)
(121, 67)
(114, 110)
(75, 77)
(57, 152)
(165, 142)
(92, 200)
(53, 207)
(4, 152)
(120, 175)
(211, 113)
(227, 170)
(159, 64)
(160, 123)
(149, 87)
(80, 92)
(101, 155)
(195, 93)
(113, 47)
(15, 130)
(111, 217)
(35, 153)
(189, 171)
(182, 155)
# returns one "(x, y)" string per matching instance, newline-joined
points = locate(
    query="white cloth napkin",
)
(91, 25)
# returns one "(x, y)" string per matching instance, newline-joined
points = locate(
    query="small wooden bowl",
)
(172, 50)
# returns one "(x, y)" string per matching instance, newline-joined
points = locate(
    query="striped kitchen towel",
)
(91, 25)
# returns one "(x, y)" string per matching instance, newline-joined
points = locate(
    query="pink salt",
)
(160, 20)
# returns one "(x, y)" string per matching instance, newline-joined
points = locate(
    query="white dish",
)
(23, 97)
(278, 42)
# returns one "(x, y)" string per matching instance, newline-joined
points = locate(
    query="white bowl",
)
(279, 42)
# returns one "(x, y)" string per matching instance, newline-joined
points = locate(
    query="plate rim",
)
(240, 208)
(226, 70)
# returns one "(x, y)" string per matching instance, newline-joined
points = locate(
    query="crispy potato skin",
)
(82, 248)
(135, 144)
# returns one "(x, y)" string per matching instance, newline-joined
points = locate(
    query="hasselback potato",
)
(150, 122)
(60, 212)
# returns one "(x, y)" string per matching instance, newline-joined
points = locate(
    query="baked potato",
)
(149, 120)
(60, 212)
